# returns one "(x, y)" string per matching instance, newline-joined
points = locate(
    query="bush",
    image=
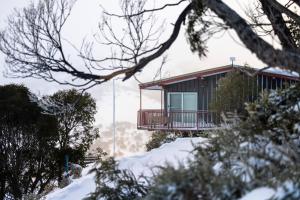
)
(158, 138)
(115, 184)
(233, 91)
(75, 112)
(263, 151)
(196, 180)
(28, 139)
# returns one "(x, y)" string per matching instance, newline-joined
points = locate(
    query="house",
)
(185, 99)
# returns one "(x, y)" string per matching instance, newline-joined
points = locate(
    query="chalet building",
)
(185, 99)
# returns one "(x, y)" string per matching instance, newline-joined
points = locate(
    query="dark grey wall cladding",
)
(206, 87)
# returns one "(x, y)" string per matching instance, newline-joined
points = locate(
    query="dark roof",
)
(274, 72)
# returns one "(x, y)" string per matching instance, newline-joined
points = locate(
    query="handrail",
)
(181, 119)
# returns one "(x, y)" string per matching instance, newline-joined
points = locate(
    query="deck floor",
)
(181, 126)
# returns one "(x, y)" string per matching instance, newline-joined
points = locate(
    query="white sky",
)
(83, 23)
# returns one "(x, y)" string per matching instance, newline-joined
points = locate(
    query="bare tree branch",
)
(297, 2)
(34, 46)
(279, 26)
(147, 10)
(166, 45)
(284, 10)
(263, 50)
(252, 74)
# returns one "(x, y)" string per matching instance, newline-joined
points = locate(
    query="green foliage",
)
(34, 143)
(27, 144)
(75, 125)
(197, 29)
(76, 118)
(115, 184)
(294, 28)
(158, 138)
(198, 181)
(233, 91)
(263, 151)
(295, 31)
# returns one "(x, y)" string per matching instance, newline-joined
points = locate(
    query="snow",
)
(276, 70)
(262, 193)
(174, 152)
(78, 189)
(143, 164)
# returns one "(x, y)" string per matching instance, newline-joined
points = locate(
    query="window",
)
(183, 106)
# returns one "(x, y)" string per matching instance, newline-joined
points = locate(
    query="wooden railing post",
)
(141, 105)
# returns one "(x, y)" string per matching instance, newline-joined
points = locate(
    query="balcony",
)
(158, 119)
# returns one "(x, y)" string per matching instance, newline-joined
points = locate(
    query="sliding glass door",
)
(190, 107)
(175, 106)
(183, 106)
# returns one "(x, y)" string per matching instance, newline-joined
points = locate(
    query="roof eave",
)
(186, 77)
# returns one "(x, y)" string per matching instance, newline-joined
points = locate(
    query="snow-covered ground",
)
(77, 190)
(142, 164)
(179, 150)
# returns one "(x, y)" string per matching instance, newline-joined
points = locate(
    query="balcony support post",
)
(140, 108)
(162, 117)
(161, 99)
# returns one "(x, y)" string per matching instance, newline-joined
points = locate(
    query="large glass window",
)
(183, 106)
(175, 101)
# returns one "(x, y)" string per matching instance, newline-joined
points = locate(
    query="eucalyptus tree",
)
(75, 113)
(27, 144)
(34, 46)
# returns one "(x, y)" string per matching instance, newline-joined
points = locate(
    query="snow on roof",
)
(276, 70)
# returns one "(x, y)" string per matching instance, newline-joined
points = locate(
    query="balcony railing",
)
(150, 119)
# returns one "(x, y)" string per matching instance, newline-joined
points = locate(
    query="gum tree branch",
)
(285, 10)
(147, 10)
(33, 41)
(263, 50)
(279, 26)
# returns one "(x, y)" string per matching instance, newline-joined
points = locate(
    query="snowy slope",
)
(78, 189)
(179, 150)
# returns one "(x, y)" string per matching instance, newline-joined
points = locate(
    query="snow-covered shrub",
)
(115, 184)
(65, 181)
(161, 137)
(262, 151)
(34, 197)
(158, 138)
(76, 170)
(200, 179)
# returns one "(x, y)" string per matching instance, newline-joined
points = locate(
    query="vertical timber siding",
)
(206, 87)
